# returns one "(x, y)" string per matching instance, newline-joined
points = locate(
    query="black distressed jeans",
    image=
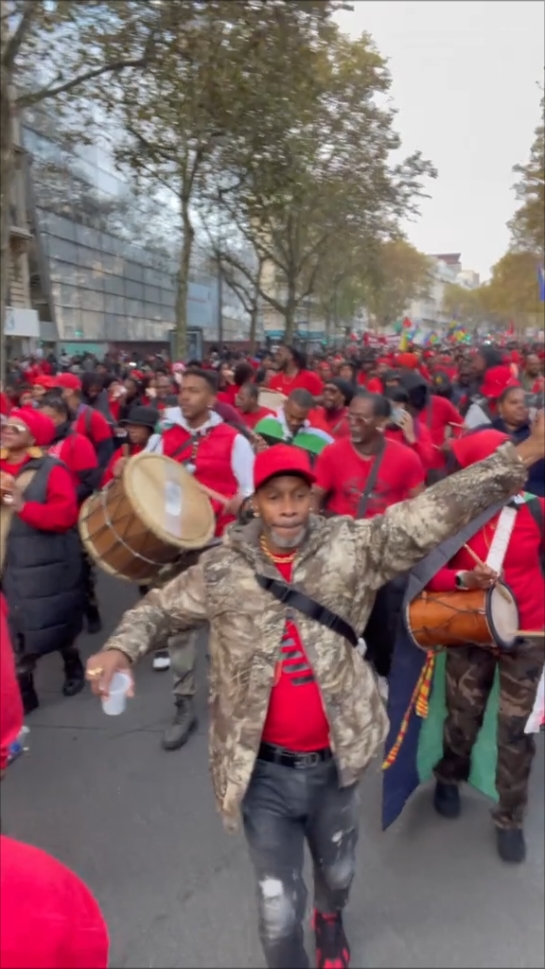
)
(283, 808)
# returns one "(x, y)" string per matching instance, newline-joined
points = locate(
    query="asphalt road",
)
(139, 825)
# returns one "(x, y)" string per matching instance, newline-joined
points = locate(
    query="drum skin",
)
(134, 527)
(460, 618)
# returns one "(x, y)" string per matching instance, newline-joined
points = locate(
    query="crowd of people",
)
(334, 477)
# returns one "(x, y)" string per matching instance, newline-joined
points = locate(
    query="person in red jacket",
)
(221, 459)
(470, 669)
(87, 420)
(42, 577)
(292, 374)
(405, 427)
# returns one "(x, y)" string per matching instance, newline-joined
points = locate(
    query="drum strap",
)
(371, 481)
(291, 596)
(502, 537)
(534, 507)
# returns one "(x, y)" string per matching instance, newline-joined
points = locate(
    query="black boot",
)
(511, 845)
(28, 693)
(74, 674)
(184, 722)
(446, 800)
(94, 621)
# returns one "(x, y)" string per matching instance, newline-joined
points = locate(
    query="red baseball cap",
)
(282, 459)
(68, 380)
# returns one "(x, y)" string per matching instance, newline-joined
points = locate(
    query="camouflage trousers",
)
(181, 646)
(469, 678)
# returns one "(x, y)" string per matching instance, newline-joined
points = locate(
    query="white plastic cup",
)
(115, 703)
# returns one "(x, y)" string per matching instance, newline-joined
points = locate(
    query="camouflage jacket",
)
(341, 564)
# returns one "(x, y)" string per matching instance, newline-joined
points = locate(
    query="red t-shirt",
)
(334, 422)
(296, 718)
(305, 379)
(228, 394)
(521, 565)
(343, 474)
(250, 420)
(373, 385)
(423, 446)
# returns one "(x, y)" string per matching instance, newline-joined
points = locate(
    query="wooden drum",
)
(143, 520)
(482, 617)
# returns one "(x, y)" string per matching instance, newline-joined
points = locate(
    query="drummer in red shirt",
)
(247, 402)
(292, 374)
(333, 415)
(140, 424)
(220, 458)
(470, 669)
(344, 468)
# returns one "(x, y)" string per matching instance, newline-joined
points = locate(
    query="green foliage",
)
(399, 274)
(528, 224)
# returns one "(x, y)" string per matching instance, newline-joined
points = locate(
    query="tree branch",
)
(17, 37)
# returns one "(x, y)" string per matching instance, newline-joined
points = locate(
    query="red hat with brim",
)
(281, 459)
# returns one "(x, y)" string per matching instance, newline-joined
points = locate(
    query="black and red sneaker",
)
(332, 949)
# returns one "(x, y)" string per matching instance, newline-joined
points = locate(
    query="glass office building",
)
(105, 260)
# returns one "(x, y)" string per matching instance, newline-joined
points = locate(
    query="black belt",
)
(289, 758)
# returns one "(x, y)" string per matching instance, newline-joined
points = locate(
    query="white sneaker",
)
(161, 660)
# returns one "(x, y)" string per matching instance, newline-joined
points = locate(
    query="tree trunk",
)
(289, 314)
(180, 336)
(253, 326)
(6, 187)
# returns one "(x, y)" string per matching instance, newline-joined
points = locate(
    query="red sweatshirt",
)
(439, 415)
(48, 917)
(423, 446)
(60, 510)
(521, 566)
(79, 456)
(296, 717)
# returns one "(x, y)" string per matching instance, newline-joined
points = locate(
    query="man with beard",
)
(292, 374)
(295, 713)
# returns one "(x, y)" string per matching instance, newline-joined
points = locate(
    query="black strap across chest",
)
(289, 596)
(371, 481)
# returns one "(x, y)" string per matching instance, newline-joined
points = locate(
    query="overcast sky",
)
(465, 75)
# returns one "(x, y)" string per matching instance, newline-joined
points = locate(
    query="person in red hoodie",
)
(42, 576)
(87, 420)
(470, 669)
(48, 917)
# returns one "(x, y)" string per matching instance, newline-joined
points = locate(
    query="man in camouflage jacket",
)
(340, 563)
